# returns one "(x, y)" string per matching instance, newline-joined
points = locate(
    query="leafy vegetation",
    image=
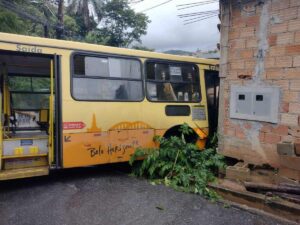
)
(179, 164)
(108, 22)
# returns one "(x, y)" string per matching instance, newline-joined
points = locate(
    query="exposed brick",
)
(272, 40)
(234, 34)
(238, 43)
(284, 61)
(277, 51)
(284, 107)
(232, 74)
(295, 3)
(272, 138)
(247, 32)
(287, 14)
(288, 138)
(261, 136)
(281, 130)
(246, 54)
(279, 28)
(240, 133)
(295, 131)
(233, 54)
(285, 38)
(295, 85)
(283, 84)
(289, 119)
(252, 42)
(237, 64)
(297, 37)
(291, 96)
(275, 74)
(250, 64)
(252, 21)
(296, 61)
(229, 131)
(293, 49)
(279, 4)
(292, 73)
(294, 25)
(294, 108)
(269, 62)
(266, 128)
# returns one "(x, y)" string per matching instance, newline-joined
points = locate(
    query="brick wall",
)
(263, 42)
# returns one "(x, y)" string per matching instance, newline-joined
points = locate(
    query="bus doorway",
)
(27, 113)
(212, 82)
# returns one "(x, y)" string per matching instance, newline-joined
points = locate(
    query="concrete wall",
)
(260, 46)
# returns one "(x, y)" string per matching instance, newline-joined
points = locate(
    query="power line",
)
(134, 2)
(155, 6)
(205, 18)
(198, 13)
(196, 5)
(198, 17)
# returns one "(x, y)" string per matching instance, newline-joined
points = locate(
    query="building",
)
(259, 108)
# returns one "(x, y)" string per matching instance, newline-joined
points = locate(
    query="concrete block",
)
(291, 162)
(286, 148)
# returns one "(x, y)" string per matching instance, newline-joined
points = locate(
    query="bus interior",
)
(27, 106)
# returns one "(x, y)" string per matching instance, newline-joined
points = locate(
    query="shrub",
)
(179, 164)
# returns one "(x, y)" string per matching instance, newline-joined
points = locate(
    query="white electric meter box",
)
(255, 103)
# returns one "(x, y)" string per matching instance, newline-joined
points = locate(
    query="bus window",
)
(106, 78)
(170, 82)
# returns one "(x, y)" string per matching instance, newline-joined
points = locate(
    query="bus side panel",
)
(83, 149)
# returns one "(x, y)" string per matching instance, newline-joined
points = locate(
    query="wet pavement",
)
(107, 195)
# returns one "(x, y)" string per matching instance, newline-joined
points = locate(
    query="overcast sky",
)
(167, 31)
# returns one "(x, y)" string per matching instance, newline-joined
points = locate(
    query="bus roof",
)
(80, 46)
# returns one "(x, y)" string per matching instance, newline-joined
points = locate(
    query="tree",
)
(143, 48)
(11, 23)
(120, 25)
(108, 22)
(87, 12)
(60, 18)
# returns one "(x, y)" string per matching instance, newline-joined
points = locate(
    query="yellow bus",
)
(67, 104)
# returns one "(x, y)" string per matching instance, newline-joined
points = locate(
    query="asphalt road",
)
(106, 195)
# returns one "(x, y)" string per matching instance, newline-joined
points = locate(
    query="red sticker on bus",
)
(73, 125)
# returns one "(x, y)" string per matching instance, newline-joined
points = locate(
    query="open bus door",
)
(29, 136)
(212, 82)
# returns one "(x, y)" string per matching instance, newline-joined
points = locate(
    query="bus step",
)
(24, 161)
(23, 173)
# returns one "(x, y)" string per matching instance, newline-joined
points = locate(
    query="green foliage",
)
(143, 48)
(179, 164)
(108, 22)
(119, 25)
(10, 23)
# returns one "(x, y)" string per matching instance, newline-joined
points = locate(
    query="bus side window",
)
(173, 82)
(107, 78)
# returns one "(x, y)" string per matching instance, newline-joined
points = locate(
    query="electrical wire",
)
(155, 6)
(197, 4)
(198, 13)
(197, 17)
(205, 18)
